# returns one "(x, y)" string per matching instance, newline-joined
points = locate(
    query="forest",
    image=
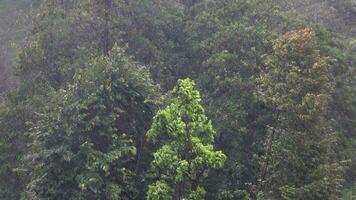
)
(177, 99)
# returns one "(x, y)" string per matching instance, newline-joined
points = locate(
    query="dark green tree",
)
(299, 161)
(39, 69)
(88, 142)
(228, 39)
(152, 30)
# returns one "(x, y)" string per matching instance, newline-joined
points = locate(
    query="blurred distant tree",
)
(335, 15)
(300, 161)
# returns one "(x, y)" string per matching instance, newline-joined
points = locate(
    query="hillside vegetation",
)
(178, 99)
(14, 27)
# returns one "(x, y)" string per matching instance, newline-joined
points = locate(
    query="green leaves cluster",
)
(186, 154)
(84, 145)
(297, 85)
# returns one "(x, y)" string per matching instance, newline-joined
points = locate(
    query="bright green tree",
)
(186, 154)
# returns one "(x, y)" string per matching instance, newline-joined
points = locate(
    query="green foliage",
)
(16, 113)
(283, 106)
(229, 39)
(84, 143)
(333, 15)
(186, 154)
(14, 26)
(152, 30)
(159, 191)
(48, 55)
(297, 84)
(11, 150)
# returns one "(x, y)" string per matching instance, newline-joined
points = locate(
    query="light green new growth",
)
(186, 154)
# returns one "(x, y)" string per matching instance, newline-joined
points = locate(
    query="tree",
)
(48, 57)
(12, 148)
(299, 161)
(186, 154)
(268, 102)
(228, 39)
(88, 144)
(342, 111)
(153, 31)
(5, 76)
(65, 35)
(333, 15)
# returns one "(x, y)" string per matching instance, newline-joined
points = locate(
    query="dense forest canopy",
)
(178, 99)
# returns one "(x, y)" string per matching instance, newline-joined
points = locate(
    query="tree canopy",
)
(178, 99)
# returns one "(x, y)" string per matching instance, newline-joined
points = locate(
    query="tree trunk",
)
(266, 163)
(178, 193)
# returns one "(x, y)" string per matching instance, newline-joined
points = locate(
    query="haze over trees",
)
(178, 99)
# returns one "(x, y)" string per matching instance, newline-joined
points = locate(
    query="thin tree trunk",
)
(178, 191)
(267, 160)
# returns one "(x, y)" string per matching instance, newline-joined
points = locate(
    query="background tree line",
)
(98, 111)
